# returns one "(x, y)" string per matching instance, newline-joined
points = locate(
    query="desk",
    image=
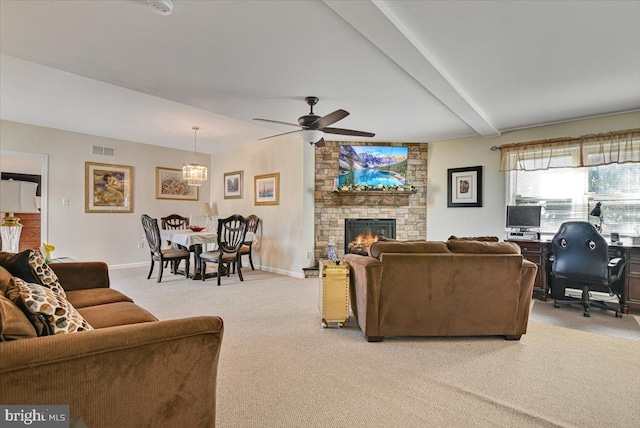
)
(538, 252)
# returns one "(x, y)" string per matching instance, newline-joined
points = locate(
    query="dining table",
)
(194, 241)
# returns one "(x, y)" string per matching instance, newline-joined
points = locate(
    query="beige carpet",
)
(279, 368)
(600, 322)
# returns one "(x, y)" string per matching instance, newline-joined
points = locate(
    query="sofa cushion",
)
(380, 247)
(114, 314)
(13, 322)
(475, 238)
(5, 280)
(29, 266)
(483, 247)
(50, 309)
(95, 296)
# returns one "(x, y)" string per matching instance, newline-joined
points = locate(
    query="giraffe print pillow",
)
(45, 274)
(48, 307)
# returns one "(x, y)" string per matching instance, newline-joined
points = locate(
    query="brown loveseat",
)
(131, 370)
(454, 288)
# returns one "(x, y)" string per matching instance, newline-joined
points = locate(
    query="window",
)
(570, 193)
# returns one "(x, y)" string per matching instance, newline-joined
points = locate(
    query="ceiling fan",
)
(314, 127)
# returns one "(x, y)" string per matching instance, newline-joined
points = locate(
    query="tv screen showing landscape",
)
(373, 165)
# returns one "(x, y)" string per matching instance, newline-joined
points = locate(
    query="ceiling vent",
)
(104, 151)
(161, 7)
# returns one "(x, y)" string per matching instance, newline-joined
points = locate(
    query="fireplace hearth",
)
(360, 233)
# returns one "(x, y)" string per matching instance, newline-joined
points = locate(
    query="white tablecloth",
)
(189, 238)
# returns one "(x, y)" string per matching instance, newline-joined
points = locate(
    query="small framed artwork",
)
(464, 187)
(267, 189)
(233, 184)
(171, 185)
(108, 188)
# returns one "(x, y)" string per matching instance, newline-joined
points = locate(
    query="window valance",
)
(587, 150)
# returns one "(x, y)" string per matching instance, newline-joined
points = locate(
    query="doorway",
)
(31, 164)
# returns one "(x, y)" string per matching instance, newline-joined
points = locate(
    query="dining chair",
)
(173, 255)
(252, 226)
(176, 222)
(231, 235)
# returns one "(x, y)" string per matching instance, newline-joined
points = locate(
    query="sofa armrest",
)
(150, 374)
(364, 288)
(82, 275)
(527, 279)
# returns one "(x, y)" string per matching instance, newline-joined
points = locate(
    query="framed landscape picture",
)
(171, 185)
(267, 189)
(108, 188)
(233, 183)
(464, 187)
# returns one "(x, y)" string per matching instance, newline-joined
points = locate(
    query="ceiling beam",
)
(376, 21)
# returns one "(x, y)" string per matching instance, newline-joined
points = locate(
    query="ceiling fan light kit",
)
(161, 7)
(314, 127)
(194, 173)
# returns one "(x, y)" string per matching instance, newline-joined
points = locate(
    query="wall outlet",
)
(140, 245)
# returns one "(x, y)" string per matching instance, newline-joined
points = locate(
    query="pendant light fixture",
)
(194, 173)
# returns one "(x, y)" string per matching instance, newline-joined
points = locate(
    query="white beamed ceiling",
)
(410, 71)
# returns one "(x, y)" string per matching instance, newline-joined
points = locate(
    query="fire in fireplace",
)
(360, 233)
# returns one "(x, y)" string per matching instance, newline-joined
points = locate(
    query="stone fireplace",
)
(332, 209)
(360, 233)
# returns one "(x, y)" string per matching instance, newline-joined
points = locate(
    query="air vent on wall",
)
(104, 151)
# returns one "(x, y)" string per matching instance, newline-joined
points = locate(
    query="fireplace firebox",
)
(360, 233)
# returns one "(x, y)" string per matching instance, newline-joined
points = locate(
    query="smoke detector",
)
(161, 7)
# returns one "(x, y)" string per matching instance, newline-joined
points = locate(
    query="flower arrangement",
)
(379, 187)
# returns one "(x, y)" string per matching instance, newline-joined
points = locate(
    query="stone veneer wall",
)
(411, 220)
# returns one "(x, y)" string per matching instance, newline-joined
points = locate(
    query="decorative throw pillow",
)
(13, 322)
(29, 265)
(5, 280)
(45, 274)
(53, 309)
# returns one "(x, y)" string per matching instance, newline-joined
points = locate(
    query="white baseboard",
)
(130, 265)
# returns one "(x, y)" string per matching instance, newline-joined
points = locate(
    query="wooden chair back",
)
(231, 233)
(175, 221)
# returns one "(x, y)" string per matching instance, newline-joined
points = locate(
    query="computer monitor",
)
(523, 217)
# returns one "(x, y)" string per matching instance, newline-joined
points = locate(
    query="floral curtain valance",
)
(588, 150)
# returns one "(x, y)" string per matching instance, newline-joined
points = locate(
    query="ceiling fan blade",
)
(277, 121)
(341, 131)
(329, 119)
(277, 135)
(320, 142)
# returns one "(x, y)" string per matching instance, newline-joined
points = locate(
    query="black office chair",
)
(581, 261)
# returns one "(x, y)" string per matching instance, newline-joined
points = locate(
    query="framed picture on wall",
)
(464, 187)
(267, 189)
(108, 188)
(171, 185)
(233, 184)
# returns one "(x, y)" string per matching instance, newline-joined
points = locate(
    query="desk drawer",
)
(531, 248)
(535, 258)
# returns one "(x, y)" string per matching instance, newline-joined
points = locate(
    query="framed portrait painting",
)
(233, 183)
(108, 188)
(171, 185)
(267, 189)
(464, 187)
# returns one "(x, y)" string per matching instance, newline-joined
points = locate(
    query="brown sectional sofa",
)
(455, 288)
(131, 370)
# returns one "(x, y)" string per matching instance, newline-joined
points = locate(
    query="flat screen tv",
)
(373, 165)
(523, 216)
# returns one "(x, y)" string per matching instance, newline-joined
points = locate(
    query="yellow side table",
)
(334, 292)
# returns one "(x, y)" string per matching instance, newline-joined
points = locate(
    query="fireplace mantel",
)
(373, 197)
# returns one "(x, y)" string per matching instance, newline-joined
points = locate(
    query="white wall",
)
(443, 222)
(283, 234)
(112, 238)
